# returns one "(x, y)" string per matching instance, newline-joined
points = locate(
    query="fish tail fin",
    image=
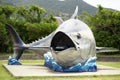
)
(19, 45)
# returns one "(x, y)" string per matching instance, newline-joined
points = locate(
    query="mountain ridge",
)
(66, 6)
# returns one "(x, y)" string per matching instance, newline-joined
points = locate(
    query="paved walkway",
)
(40, 70)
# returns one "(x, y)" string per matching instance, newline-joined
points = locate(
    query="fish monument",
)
(70, 48)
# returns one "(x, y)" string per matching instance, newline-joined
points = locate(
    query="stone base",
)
(40, 70)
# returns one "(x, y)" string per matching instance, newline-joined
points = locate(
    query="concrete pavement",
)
(40, 70)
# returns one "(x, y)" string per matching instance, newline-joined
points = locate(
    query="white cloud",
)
(114, 4)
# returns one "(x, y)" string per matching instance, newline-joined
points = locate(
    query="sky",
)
(114, 4)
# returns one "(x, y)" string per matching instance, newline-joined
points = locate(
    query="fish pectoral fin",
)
(106, 49)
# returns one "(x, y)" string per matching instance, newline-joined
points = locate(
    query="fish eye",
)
(78, 36)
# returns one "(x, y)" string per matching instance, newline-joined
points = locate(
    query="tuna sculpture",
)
(71, 47)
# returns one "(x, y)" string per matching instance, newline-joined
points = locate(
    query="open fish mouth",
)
(62, 47)
(61, 42)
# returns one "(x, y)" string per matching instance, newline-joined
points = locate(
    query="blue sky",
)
(114, 4)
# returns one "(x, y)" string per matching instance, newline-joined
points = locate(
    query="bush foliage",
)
(33, 23)
(105, 25)
(30, 22)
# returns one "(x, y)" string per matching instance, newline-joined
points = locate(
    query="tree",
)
(30, 22)
(106, 26)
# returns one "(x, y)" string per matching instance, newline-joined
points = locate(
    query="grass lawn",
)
(5, 75)
(112, 64)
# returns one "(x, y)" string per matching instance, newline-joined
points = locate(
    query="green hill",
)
(66, 6)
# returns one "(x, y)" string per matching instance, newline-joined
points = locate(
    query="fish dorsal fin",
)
(74, 16)
(59, 20)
